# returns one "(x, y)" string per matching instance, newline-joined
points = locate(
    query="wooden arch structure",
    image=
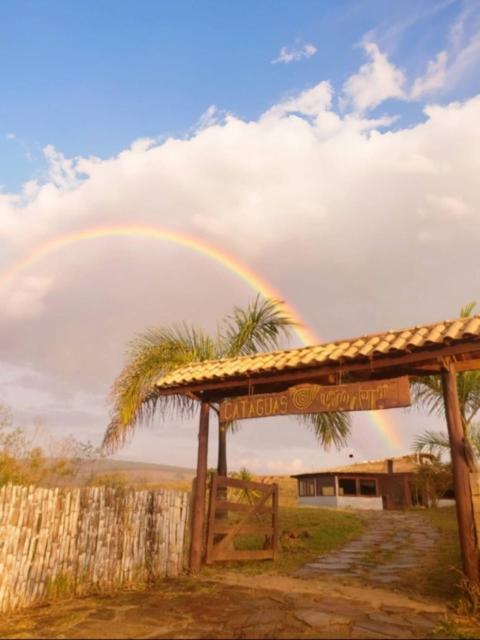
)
(444, 349)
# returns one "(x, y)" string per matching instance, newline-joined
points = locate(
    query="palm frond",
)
(427, 392)
(258, 327)
(119, 431)
(473, 435)
(467, 310)
(435, 442)
(468, 383)
(150, 356)
(329, 428)
(232, 427)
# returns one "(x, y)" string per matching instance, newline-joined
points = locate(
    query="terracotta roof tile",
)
(362, 349)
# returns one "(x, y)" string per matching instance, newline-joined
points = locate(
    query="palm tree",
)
(256, 328)
(428, 392)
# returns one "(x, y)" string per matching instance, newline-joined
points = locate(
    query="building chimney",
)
(389, 462)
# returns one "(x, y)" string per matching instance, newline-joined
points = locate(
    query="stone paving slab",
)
(346, 594)
(393, 544)
(276, 608)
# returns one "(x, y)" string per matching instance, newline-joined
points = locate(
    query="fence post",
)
(198, 520)
(461, 474)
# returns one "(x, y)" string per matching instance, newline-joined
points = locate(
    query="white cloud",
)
(274, 466)
(208, 118)
(375, 82)
(459, 60)
(296, 53)
(26, 299)
(434, 78)
(326, 206)
(448, 207)
(62, 171)
(310, 102)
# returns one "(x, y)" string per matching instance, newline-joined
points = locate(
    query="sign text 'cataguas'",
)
(313, 398)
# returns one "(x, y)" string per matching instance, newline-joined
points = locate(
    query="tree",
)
(256, 328)
(22, 462)
(432, 480)
(428, 392)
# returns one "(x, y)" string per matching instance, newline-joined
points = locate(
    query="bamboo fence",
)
(56, 542)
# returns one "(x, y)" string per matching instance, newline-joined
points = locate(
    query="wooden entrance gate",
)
(238, 508)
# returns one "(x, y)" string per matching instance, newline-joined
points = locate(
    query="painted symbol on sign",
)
(303, 396)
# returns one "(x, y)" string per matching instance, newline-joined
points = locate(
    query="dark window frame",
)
(305, 486)
(358, 480)
(368, 495)
(321, 484)
(354, 478)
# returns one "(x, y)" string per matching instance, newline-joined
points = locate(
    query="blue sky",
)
(91, 77)
(332, 147)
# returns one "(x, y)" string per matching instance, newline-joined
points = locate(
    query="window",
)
(347, 487)
(306, 487)
(325, 486)
(368, 487)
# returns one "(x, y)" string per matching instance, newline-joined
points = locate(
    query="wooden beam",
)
(226, 527)
(224, 505)
(467, 365)
(461, 474)
(245, 554)
(243, 484)
(198, 512)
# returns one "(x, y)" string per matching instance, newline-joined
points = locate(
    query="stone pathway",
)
(237, 607)
(347, 594)
(393, 544)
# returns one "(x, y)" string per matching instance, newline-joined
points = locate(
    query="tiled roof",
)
(358, 349)
(401, 464)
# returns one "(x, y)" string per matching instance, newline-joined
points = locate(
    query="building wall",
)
(343, 502)
(319, 501)
(446, 502)
(360, 502)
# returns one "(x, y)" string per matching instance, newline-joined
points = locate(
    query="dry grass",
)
(287, 489)
(439, 574)
(312, 532)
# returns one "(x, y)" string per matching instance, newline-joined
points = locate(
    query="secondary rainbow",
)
(384, 424)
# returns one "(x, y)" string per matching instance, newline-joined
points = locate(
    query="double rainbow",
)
(382, 422)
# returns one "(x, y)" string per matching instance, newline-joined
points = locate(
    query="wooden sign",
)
(314, 398)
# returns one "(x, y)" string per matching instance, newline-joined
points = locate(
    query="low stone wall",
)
(57, 542)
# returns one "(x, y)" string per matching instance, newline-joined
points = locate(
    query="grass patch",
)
(457, 630)
(439, 574)
(60, 586)
(316, 531)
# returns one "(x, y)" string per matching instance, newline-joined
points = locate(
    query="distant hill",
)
(138, 474)
(151, 475)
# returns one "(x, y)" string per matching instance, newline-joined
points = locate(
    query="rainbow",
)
(383, 423)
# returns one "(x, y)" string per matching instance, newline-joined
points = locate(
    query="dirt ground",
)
(353, 592)
(271, 607)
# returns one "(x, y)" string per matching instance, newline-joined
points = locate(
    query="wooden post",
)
(408, 492)
(198, 519)
(211, 518)
(461, 474)
(275, 545)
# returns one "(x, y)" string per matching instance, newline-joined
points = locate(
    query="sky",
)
(332, 148)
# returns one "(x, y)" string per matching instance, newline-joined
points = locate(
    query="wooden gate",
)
(239, 508)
